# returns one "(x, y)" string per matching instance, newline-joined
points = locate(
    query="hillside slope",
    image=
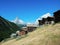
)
(46, 35)
(6, 28)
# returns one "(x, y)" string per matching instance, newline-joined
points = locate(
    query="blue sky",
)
(27, 10)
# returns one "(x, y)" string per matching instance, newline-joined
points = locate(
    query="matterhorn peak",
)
(18, 21)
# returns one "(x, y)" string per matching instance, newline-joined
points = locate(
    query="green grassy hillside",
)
(6, 28)
(46, 35)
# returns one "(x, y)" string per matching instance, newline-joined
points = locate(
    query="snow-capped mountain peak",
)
(18, 21)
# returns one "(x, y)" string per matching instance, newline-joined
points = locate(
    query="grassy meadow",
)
(45, 35)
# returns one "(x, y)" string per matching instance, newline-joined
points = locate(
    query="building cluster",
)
(24, 30)
(32, 27)
(51, 20)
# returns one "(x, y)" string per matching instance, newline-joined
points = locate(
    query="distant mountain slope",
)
(46, 35)
(6, 28)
